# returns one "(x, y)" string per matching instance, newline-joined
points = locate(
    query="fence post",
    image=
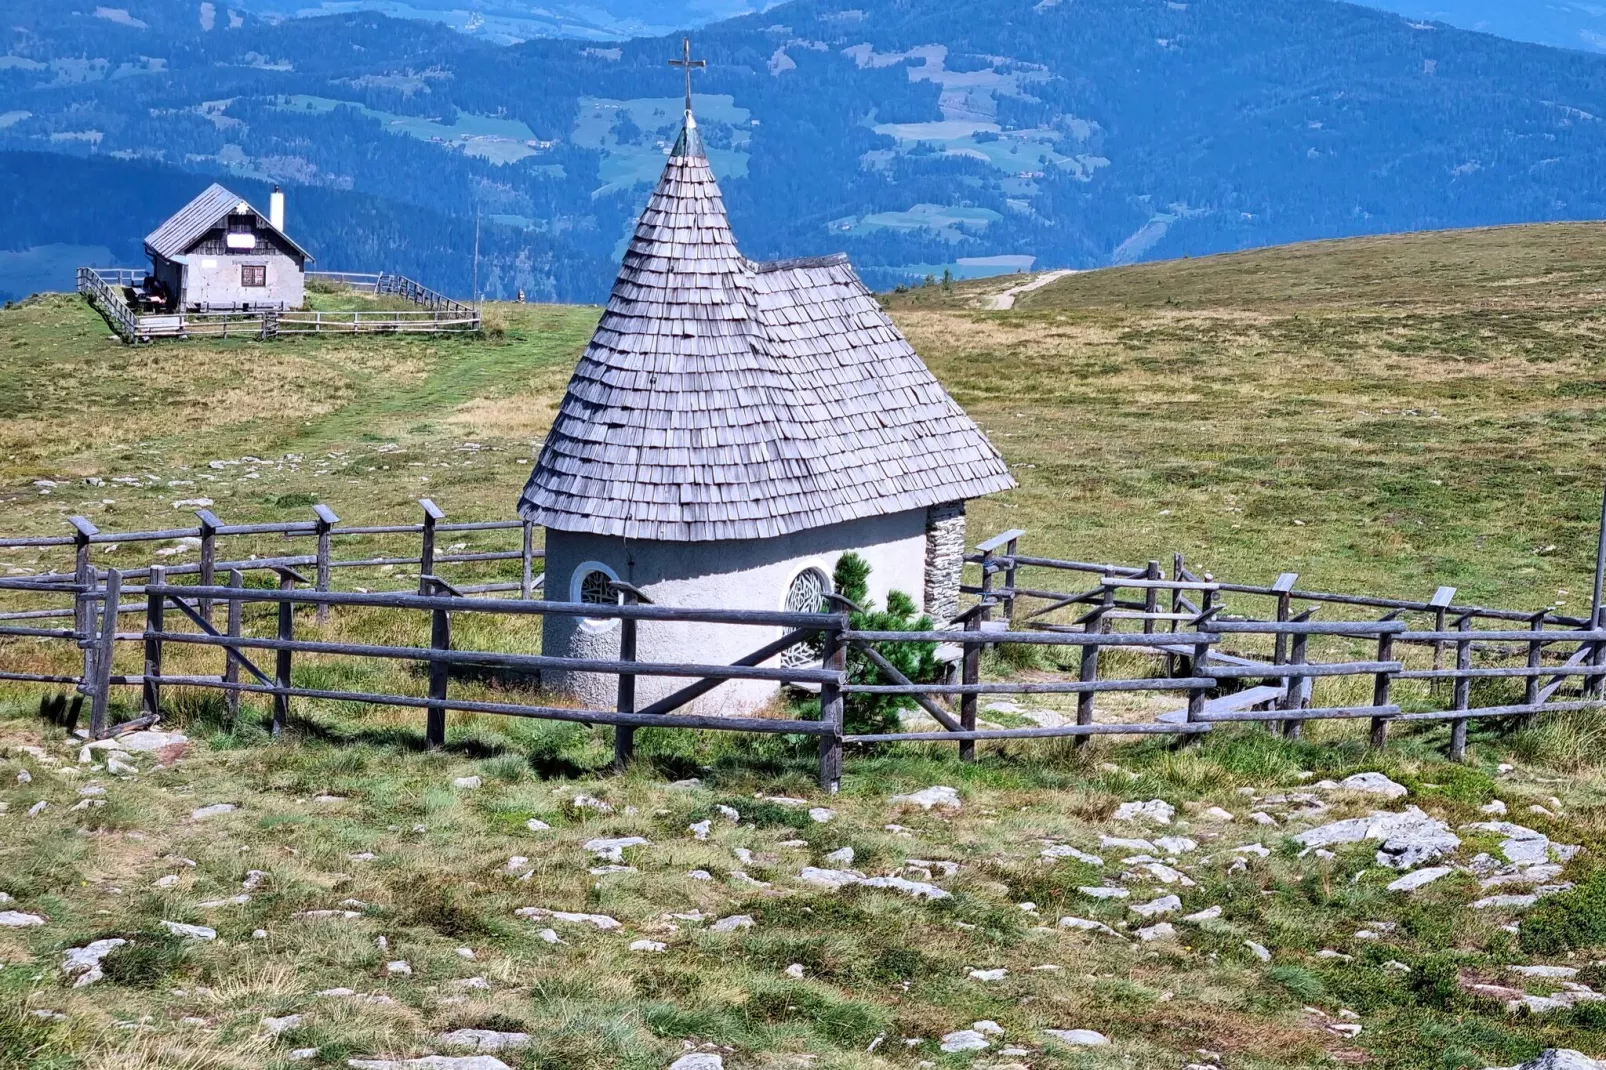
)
(1196, 695)
(83, 571)
(1088, 668)
(209, 526)
(1463, 689)
(231, 667)
(1294, 686)
(527, 554)
(281, 660)
(426, 553)
(970, 674)
(835, 659)
(1440, 602)
(440, 638)
(1382, 683)
(624, 737)
(1283, 587)
(326, 520)
(104, 643)
(1151, 597)
(155, 604)
(1536, 651)
(1009, 581)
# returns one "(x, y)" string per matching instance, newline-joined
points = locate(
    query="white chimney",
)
(276, 208)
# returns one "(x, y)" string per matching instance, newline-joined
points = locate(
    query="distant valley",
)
(1020, 135)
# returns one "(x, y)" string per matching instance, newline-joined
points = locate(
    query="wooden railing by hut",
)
(105, 289)
(1193, 661)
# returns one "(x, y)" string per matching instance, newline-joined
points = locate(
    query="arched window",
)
(805, 595)
(589, 586)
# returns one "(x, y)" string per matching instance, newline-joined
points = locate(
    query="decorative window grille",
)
(253, 274)
(595, 589)
(806, 595)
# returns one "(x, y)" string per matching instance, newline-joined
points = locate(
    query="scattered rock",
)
(1412, 881)
(1105, 893)
(1177, 845)
(1260, 951)
(613, 850)
(1374, 784)
(1497, 808)
(1061, 850)
(275, 1026)
(1216, 813)
(1166, 904)
(820, 814)
(1207, 914)
(590, 802)
(842, 856)
(16, 919)
(987, 975)
(214, 810)
(398, 968)
(537, 825)
(964, 1040)
(83, 963)
(698, 1061)
(484, 1040)
(1157, 810)
(926, 798)
(700, 829)
(1163, 931)
(1558, 1059)
(1080, 1038)
(191, 932)
(599, 921)
(648, 945)
(733, 923)
(1086, 925)
(431, 1062)
(1410, 837)
(794, 971)
(466, 782)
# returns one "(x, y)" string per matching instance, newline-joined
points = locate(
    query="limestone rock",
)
(16, 919)
(613, 850)
(1374, 784)
(1162, 931)
(468, 783)
(733, 923)
(1558, 1059)
(599, 921)
(698, 1061)
(192, 932)
(964, 1040)
(275, 1026)
(214, 810)
(1080, 1038)
(1412, 881)
(484, 1039)
(1157, 810)
(432, 1062)
(1061, 850)
(1166, 904)
(83, 963)
(926, 798)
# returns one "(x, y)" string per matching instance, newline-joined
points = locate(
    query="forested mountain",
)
(967, 135)
(1564, 23)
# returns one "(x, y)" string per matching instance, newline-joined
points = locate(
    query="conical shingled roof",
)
(723, 399)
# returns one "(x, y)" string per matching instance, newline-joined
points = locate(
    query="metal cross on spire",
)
(688, 63)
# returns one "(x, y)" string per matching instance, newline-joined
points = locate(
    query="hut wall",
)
(214, 282)
(739, 574)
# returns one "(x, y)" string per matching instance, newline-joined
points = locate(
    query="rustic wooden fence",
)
(103, 288)
(1196, 660)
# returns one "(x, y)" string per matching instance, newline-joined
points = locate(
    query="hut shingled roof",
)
(725, 399)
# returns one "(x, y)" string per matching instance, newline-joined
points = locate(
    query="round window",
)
(805, 595)
(596, 589)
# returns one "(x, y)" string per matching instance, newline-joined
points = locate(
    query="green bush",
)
(1567, 921)
(917, 661)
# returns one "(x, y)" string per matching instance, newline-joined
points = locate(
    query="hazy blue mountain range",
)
(968, 135)
(1563, 23)
(511, 21)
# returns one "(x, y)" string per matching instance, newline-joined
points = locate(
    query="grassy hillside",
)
(1385, 413)
(1381, 415)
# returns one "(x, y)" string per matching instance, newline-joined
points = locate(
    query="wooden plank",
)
(899, 683)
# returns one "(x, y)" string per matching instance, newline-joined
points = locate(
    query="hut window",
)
(589, 586)
(805, 595)
(254, 275)
(595, 589)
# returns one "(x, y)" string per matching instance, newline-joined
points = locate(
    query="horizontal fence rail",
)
(1140, 651)
(104, 289)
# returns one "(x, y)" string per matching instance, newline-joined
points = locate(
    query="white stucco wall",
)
(214, 281)
(745, 574)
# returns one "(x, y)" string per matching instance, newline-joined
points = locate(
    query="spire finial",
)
(685, 61)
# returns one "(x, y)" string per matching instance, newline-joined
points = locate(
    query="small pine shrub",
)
(917, 661)
(1567, 921)
(1299, 982)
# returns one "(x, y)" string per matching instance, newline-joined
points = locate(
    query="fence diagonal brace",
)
(206, 626)
(676, 700)
(938, 714)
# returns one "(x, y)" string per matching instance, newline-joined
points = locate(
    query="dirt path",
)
(1006, 300)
